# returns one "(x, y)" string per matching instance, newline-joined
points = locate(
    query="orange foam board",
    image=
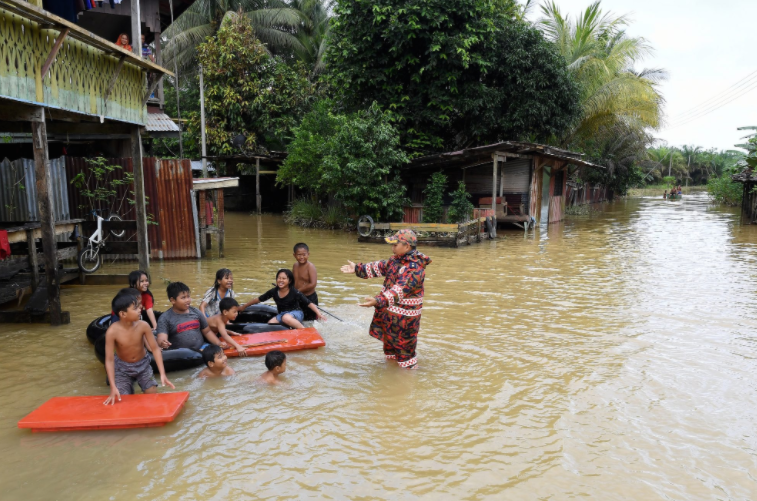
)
(89, 413)
(296, 339)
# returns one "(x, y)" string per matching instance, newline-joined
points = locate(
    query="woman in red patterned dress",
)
(398, 307)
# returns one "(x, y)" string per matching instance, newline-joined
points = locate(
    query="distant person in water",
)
(276, 363)
(126, 359)
(305, 276)
(397, 318)
(215, 361)
(665, 195)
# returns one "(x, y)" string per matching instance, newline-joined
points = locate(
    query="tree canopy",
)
(454, 73)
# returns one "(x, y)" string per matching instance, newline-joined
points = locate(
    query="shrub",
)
(432, 205)
(461, 208)
(304, 212)
(724, 191)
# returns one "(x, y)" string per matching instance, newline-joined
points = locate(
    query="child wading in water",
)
(217, 323)
(126, 359)
(276, 363)
(139, 280)
(215, 360)
(398, 307)
(305, 276)
(222, 288)
(289, 302)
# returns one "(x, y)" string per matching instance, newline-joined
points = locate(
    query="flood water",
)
(609, 357)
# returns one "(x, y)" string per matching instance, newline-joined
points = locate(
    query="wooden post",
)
(219, 222)
(136, 30)
(140, 202)
(258, 198)
(33, 261)
(196, 223)
(534, 209)
(495, 160)
(202, 134)
(79, 247)
(203, 223)
(45, 205)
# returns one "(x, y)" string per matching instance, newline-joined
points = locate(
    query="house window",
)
(559, 181)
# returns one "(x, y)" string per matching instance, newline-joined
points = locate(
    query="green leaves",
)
(461, 208)
(433, 211)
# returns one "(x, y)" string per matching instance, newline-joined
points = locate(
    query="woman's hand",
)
(348, 268)
(369, 301)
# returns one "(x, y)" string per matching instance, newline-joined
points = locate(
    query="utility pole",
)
(176, 72)
(670, 164)
(202, 126)
(688, 169)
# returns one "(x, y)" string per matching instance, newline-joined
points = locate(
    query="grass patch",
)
(580, 210)
(309, 213)
(659, 189)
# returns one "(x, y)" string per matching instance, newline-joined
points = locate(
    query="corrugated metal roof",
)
(160, 122)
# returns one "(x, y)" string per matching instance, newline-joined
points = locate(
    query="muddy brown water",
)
(610, 357)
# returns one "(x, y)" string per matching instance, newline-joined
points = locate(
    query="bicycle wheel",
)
(89, 260)
(116, 233)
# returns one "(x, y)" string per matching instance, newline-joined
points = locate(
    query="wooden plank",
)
(26, 317)
(113, 79)
(45, 205)
(139, 192)
(120, 248)
(122, 280)
(54, 51)
(89, 227)
(214, 184)
(16, 235)
(33, 261)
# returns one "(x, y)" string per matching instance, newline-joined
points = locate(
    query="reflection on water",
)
(612, 356)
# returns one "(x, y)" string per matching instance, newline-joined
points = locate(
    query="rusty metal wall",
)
(168, 184)
(18, 190)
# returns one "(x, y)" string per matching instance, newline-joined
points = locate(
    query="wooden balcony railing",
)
(48, 61)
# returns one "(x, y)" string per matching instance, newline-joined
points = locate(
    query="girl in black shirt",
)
(289, 301)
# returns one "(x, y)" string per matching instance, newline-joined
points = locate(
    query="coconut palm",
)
(274, 21)
(312, 31)
(602, 58)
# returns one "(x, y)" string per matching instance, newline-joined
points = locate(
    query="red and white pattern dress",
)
(397, 318)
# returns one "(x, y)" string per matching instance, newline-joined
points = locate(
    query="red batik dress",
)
(398, 312)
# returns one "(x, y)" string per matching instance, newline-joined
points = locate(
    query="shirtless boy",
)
(215, 360)
(276, 363)
(305, 276)
(125, 356)
(217, 323)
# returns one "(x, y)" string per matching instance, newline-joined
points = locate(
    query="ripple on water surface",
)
(611, 356)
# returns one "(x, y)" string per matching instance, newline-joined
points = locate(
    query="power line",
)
(747, 80)
(712, 108)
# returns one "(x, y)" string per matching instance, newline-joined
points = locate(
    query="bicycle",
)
(89, 258)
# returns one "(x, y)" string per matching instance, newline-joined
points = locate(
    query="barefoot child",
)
(289, 302)
(222, 288)
(217, 323)
(215, 359)
(183, 326)
(305, 276)
(125, 357)
(276, 363)
(398, 307)
(139, 280)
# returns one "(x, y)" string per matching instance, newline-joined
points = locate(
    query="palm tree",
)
(312, 31)
(274, 21)
(602, 57)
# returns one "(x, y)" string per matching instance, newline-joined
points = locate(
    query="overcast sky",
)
(706, 47)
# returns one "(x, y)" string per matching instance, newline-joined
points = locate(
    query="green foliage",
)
(434, 193)
(354, 158)
(248, 93)
(725, 191)
(669, 180)
(461, 208)
(99, 184)
(688, 162)
(309, 213)
(453, 73)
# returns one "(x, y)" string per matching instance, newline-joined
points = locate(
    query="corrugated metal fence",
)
(587, 194)
(18, 190)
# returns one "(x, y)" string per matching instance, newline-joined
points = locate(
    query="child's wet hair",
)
(176, 288)
(210, 352)
(301, 245)
(227, 303)
(289, 275)
(274, 359)
(220, 275)
(126, 297)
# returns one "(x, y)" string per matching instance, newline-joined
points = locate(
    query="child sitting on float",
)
(222, 288)
(289, 302)
(217, 323)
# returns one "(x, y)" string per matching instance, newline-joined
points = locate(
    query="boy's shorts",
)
(127, 372)
(298, 314)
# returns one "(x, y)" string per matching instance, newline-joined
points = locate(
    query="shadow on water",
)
(610, 356)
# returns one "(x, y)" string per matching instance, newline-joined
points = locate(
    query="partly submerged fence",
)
(18, 190)
(587, 194)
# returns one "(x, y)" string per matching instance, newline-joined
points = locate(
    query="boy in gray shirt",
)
(183, 326)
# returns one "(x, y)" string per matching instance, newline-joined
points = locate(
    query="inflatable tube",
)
(173, 360)
(256, 328)
(100, 325)
(256, 314)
